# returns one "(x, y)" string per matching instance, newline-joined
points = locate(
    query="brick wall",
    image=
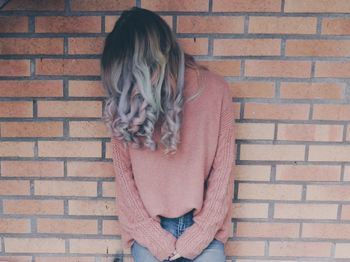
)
(289, 68)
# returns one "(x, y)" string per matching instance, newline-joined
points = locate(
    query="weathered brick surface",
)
(287, 64)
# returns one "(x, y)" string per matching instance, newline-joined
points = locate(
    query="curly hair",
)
(143, 72)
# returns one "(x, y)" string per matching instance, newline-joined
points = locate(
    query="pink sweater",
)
(150, 184)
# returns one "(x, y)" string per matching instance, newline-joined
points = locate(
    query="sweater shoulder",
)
(218, 87)
(215, 80)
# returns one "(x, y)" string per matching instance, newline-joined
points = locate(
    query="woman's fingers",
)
(174, 257)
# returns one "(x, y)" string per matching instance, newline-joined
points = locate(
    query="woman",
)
(173, 204)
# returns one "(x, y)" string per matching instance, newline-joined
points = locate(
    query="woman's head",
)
(143, 71)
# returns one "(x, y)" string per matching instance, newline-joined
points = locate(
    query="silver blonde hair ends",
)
(143, 73)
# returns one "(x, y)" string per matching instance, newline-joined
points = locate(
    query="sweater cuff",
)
(193, 241)
(160, 242)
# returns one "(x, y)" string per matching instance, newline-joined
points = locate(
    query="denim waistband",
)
(187, 215)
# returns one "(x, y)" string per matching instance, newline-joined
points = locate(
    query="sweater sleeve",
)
(218, 198)
(132, 214)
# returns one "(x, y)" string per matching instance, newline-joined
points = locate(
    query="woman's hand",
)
(174, 256)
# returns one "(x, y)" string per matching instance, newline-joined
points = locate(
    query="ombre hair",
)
(143, 72)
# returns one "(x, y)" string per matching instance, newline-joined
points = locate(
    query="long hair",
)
(143, 71)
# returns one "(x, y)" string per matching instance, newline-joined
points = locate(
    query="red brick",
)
(66, 66)
(247, 6)
(299, 90)
(269, 260)
(179, 5)
(247, 47)
(17, 149)
(331, 112)
(282, 25)
(67, 24)
(245, 248)
(269, 191)
(33, 207)
(16, 109)
(250, 210)
(93, 246)
(31, 129)
(281, 111)
(345, 212)
(347, 173)
(305, 211)
(336, 153)
(34, 5)
(272, 152)
(335, 26)
(110, 21)
(67, 226)
(14, 188)
(254, 172)
(31, 46)
(326, 231)
(278, 68)
(318, 48)
(108, 189)
(92, 207)
(31, 88)
(317, 6)
(14, 67)
(69, 149)
(310, 132)
(339, 69)
(210, 24)
(65, 188)
(85, 45)
(14, 225)
(110, 227)
(13, 24)
(267, 230)
(85, 88)
(90, 169)
(254, 131)
(88, 129)
(328, 192)
(307, 173)
(32, 168)
(342, 250)
(71, 258)
(34, 245)
(249, 89)
(194, 46)
(300, 249)
(101, 5)
(69, 108)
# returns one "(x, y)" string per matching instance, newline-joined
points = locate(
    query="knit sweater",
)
(150, 184)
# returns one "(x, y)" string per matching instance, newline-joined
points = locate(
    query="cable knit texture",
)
(132, 213)
(217, 200)
(150, 184)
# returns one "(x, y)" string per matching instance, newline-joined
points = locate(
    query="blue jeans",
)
(213, 252)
